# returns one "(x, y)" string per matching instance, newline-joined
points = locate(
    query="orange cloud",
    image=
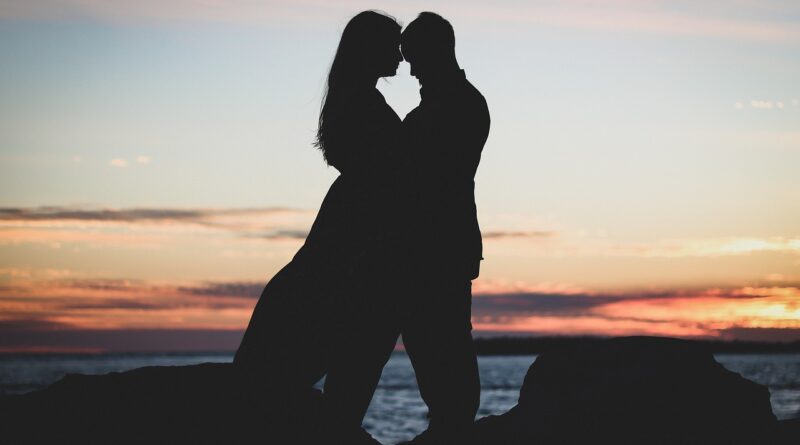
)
(673, 312)
(130, 304)
(494, 287)
(589, 325)
(747, 307)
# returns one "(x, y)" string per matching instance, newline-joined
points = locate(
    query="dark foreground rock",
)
(620, 391)
(200, 404)
(636, 390)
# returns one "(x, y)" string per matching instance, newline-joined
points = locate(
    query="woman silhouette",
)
(306, 307)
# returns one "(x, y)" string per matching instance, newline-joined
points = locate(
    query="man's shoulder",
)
(473, 95)
(469, 106)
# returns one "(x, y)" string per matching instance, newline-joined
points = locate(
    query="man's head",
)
(429, 45)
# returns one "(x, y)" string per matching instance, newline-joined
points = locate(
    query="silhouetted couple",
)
(396, 242)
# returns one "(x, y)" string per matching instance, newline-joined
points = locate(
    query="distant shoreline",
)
(485, 346)
(515, 345)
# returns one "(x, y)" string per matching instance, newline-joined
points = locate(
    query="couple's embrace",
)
(395, 244)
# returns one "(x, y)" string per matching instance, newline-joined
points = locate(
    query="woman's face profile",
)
(388, 55)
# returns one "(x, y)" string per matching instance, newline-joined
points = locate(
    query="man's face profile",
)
(413, 58)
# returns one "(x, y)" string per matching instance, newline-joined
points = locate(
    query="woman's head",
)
(368, 50)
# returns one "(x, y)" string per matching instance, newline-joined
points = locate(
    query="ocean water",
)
(397, 412)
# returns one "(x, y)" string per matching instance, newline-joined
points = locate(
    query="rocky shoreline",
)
(634, 390)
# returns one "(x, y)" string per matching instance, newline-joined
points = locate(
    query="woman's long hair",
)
(352, 67)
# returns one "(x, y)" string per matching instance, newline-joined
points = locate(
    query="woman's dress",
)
(304, 306)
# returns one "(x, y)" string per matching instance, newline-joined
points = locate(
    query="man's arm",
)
(456, 138)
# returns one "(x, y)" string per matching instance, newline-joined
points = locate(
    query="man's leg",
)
(437, 335)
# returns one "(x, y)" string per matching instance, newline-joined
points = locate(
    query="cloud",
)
(522, 304)
(518, 234)
(281, 234)
(577, 244)
(237, 289)
(56, 238)
(287, 234)
(549, 299)
(677, 312)
(77, 214)
(718, 247)
(200, 215)
(674, 248)
(768, 104)
(30, 324)
(115, 304)
(38, 336)
(152, 228)
(498, 287)
(130, 304)
(122, 163)
(146, 227)
(15, 272)
(586, 325)
(762, 104)
(781, 278)
(132, 289)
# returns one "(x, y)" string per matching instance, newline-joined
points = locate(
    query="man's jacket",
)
(444, 137)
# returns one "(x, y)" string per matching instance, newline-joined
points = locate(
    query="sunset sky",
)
(156, 167)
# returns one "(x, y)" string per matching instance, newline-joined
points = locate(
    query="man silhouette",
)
(444, 135)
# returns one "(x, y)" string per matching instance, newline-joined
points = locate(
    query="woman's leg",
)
(365, 336)
(284, 345)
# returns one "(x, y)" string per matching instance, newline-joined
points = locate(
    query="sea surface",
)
(397, 412)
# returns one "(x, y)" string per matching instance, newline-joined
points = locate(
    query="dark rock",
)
(201, 404)
(788, 432)
(636, 390)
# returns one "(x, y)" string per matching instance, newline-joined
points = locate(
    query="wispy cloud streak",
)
(681, 312)
(55, 213)
(518, 234)
(146, 227)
